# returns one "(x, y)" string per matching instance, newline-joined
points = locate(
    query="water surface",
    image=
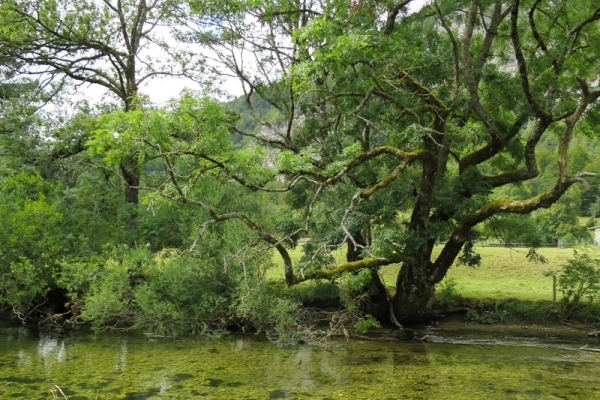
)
(456, 363)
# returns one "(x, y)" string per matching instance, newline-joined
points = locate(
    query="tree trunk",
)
(416, 280)
(414, 293)
(131, 175)
(377, 304)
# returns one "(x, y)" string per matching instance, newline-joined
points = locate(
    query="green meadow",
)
(504, 273)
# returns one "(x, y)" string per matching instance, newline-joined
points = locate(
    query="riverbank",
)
(505, 288)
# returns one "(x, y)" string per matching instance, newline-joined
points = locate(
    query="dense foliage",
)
(362, 127)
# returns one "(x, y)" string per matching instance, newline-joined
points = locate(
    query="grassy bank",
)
(504, 273)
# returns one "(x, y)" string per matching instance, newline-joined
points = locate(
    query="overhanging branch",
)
(349, 267)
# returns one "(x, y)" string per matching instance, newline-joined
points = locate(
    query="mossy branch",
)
(423, 93)
(460, 234)
(349, 267)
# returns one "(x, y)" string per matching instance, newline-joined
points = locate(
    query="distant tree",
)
(590, 199)
(579, 158)
(561, 220)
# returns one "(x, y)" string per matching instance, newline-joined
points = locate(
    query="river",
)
(456, 362)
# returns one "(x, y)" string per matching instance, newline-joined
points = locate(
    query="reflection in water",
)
(46, 346)
(121, 362)
(455, 365)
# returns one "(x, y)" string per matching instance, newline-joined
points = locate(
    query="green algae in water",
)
(125, 367)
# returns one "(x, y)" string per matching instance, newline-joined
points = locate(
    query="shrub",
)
(266, 309)
(580, 277)
(22, 285)
(319, 291)
(159, 292)
(179, 296)
(532, 311)
(369, 322)
(483, 315)
(110, 299)
(446, 293)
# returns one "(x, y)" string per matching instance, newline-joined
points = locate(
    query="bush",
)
(525, 311)
(266, 309)
(178, 297)
(580, 277)
(172, 295)
(320, 291)
(31, 243)
(157, 292)
(568, 240)
(110, 299)
(22, 285)
(446, 293)
(483, 315)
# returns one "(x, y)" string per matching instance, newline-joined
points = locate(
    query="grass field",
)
(504, 273)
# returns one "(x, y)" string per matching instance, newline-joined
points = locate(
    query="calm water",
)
(457, 363)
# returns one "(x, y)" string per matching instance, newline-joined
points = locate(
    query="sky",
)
(162, 89)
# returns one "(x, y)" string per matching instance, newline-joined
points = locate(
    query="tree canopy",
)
(400, 130)
(362, 126)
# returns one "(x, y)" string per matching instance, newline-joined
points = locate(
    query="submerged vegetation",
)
(465, 363)
(373, 149)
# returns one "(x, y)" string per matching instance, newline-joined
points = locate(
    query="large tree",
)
(389, 132)
(412, 121)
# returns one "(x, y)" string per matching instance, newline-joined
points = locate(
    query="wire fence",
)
(508, 244)
(518, 245)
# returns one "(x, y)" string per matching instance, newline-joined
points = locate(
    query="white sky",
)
(162, 89)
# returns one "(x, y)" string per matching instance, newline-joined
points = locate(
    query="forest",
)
(391, 135)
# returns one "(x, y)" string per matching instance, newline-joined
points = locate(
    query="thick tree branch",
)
(495, 146)
(390, 21)
(577, 29)
(544, 200)
(530, 169)
(470, 78)
(490, 34)
(454, 53)
(350, 267)
(522, 65)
